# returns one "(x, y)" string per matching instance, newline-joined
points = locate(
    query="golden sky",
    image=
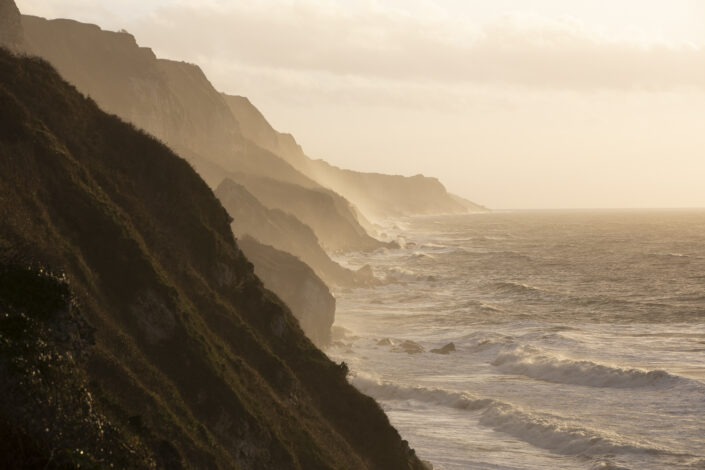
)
(511, 103)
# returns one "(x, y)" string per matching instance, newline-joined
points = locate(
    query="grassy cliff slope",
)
(192, 358)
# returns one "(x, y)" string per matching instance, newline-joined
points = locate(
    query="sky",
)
(510, 103)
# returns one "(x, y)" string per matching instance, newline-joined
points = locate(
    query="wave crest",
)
(540, 429)
(531, 362)
(517, 288)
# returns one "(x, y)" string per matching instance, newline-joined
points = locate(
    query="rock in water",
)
(386, 342)
(447, 349)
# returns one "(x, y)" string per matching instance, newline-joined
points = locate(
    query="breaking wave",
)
(537, 364)
(517, 288)
(543, 430)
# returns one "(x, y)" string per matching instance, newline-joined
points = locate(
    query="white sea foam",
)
(396, 273)
(576, 348)
(382, 390)
(543, 430)
(517, 288)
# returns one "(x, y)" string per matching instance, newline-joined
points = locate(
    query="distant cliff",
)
(333, 219)
(175, 102)
(284, 232)
(377, 195)
(172, 101)
(179, 357)
(10, 26)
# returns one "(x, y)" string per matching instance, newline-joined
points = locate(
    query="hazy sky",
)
(511, 103)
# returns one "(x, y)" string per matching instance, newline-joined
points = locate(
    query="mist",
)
(302, 234)
(517, 106)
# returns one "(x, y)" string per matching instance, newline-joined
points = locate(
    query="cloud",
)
(363, 39)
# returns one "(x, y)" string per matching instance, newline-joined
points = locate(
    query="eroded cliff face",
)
(377, 195)
(297, 285)
(194, 363)
(284, 232)
(331, 217)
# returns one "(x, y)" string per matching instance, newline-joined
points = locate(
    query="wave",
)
(669, 255)
(501, 255)
(470, 305)
(398, 274)
(534, 363)
(484, 341)
(517, 288)
(597, 302)
(390, 391)
(433, 245)
(539, 429)
(422, 255)
(606, 465)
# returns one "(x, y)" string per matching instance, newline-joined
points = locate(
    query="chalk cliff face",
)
(193, 364)
(296, 284)
(377, 195)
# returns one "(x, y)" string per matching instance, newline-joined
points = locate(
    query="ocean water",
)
(579, 337)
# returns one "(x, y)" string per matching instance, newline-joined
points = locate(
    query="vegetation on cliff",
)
(194, 363)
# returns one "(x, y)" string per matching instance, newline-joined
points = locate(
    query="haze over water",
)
(580, 338)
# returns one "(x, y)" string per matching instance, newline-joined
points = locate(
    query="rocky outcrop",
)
(297, 285)
(402, 345)
(377, 195)
(11, 35)
(195, 364)
(447, 349)
(284, 232)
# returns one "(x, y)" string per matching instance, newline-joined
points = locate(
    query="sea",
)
(578, 337)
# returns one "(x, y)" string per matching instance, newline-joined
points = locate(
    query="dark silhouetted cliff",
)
(180, 358)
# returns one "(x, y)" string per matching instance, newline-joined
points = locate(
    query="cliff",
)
(283, 232)
(187, 360)
(129, 81)
(333, 219)
(175, 102)
(297, 285)
(376, 195)
(11, 35)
